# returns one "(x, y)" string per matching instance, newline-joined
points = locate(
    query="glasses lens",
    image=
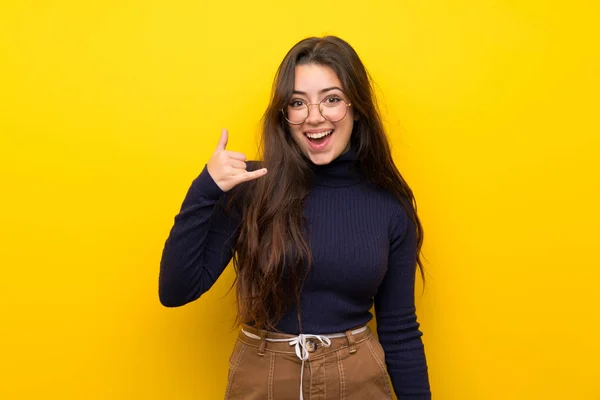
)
(296, 112)
(333, 108)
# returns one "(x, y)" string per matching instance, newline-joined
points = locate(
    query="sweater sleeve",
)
(199, 245)
(395, 311)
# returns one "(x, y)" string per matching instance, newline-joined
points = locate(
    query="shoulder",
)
(399, 212)
(385, 199)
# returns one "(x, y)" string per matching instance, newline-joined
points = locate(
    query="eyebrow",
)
(320, 91)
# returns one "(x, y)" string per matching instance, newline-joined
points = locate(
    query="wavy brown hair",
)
(272, 254)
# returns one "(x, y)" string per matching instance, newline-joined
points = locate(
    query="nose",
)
(314, 114)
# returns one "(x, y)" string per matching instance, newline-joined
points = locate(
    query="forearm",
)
(397, 324)
(199, 245)
(400, 338)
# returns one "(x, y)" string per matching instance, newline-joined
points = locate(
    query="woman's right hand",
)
(228, 168)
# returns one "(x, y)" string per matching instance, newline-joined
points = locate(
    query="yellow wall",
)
(109, 109)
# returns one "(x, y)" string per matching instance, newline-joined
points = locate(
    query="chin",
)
(320, 160)
(323, 158)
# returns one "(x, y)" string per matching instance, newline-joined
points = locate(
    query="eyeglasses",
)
(332, 108)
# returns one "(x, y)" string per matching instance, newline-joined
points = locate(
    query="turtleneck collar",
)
(342, 171)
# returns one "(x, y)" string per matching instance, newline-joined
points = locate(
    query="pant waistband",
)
(303, 344)
(328, 335)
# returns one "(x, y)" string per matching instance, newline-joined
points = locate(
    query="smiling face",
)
(321, 140)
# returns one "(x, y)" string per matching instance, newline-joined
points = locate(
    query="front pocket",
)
(362, 374)
(234, 360)
(377, 351)
(249, 374)
(235, 354)
(378, 355)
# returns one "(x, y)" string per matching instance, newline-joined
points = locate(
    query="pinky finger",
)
(249, 176)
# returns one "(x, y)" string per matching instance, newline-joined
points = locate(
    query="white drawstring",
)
(299, 343)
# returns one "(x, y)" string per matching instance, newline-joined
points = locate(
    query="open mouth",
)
(319, 138)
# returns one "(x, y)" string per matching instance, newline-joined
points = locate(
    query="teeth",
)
(318, 135)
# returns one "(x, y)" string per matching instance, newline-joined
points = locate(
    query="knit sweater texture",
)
(363, 247)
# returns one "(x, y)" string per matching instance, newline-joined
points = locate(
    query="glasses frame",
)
(320, 111)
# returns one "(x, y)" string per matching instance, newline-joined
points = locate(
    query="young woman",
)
(319, 230)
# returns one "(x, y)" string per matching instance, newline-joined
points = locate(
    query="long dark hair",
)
(272, 255)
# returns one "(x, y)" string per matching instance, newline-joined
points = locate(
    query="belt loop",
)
(351, 341)
(263, 342)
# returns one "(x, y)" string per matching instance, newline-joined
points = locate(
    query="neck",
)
(343, 171)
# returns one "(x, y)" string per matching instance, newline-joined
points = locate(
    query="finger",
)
(223, 139)
(236, 155)
(248, 176)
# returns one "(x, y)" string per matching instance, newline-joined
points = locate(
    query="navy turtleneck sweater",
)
(364, 252)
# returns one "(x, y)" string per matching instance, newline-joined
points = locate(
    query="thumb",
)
(223, 140)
